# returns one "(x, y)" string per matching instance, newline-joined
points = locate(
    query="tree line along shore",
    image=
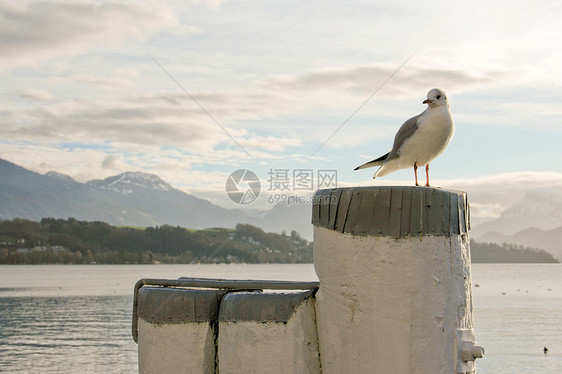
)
(69, 241)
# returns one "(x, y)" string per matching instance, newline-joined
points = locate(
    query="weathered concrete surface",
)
(177, 330)
(269, 346)
(176, 348)
(391, 303)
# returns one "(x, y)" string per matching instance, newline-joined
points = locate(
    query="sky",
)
(193, 90)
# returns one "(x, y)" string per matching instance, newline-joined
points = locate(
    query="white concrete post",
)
(395, 285)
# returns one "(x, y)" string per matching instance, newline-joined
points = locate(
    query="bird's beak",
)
(427, 101)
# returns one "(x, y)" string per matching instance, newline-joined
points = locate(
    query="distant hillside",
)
(294, 217)
(71, 241)
(507, 253)
(550, 240)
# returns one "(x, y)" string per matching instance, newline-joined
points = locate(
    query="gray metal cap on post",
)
(392, 211)
(261, 307)
(163, 305)
(176, 300)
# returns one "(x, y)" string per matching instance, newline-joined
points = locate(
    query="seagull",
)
(420, 139)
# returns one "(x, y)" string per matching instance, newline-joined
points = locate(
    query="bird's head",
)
(436, 97)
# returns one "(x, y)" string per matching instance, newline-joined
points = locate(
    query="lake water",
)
(77, 318)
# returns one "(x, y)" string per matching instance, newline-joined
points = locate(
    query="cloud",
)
(33, 31)
(277, 114)
(120, 78)
(135, 122)
(482, 211)
(111, 162)
(34, 94)
(366, 79)
(138, 122)
(270, 143)
(126, 115)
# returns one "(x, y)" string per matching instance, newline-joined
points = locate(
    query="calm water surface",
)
(77, 318)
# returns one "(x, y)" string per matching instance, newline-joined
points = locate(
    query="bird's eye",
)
(438, 97)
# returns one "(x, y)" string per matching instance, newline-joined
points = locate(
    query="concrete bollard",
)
(177, 330)
(271, 333)
(395, 284)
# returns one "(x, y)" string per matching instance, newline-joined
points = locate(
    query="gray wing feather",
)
(403, 134)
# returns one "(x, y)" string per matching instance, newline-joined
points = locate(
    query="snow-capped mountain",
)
(133, 199)
(538, 209)
(131, 182)
(60, 176)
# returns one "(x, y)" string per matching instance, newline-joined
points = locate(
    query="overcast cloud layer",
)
(194, 90)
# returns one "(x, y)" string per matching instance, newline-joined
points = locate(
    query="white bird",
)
(420, 139)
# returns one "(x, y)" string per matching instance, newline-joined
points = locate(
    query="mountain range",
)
(538, 208)
(131, 199)
(534, 221)
(141, 199)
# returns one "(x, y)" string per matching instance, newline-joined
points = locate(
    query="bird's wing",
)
(404, 133)
(375, 162)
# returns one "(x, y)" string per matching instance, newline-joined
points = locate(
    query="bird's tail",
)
(387, 168)
(377, 162)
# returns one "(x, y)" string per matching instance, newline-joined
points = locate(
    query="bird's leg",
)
(427, 175)
(416, 172)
